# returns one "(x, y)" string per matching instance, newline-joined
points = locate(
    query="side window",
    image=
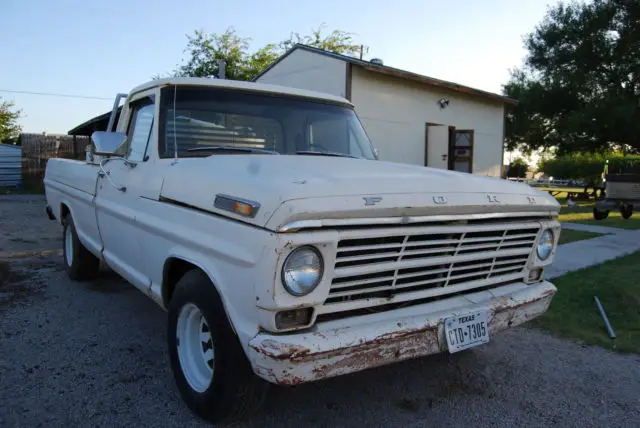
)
(139, 132)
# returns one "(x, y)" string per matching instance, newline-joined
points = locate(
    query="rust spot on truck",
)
(508, 315)
(383, 349)
(281, 351)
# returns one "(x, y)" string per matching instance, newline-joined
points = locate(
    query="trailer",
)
(622, 191)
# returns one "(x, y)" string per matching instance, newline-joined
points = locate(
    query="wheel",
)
(209, 367)
(600, 215)
(626, 211)
(80, 264)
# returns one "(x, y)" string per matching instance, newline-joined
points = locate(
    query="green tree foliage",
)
(9, 127)
(205, 49)
(580, 83)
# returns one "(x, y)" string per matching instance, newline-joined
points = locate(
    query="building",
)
(10, 165)
(410, 118)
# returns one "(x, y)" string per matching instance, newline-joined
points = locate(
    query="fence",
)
(37, 149)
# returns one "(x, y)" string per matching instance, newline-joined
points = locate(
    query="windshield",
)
(256, 123)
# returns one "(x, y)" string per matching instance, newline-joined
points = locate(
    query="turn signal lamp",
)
(235, 205)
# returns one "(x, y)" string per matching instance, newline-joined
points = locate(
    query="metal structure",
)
(10, 165)
(603, 314)
(622, 193)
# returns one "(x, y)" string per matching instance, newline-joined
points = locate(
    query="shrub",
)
(624, 165)
(589, 167)
(518, 168)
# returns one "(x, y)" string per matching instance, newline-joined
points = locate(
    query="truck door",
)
(118, 196)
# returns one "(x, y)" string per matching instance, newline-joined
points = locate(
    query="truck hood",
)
(296, 187)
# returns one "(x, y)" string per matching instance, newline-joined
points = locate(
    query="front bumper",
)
(348, 345)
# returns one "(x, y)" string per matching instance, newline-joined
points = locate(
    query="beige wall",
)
(394, 112)
(307, 70)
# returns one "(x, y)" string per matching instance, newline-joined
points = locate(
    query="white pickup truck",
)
(261, 220)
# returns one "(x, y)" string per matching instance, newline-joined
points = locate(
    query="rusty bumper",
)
(344, 346)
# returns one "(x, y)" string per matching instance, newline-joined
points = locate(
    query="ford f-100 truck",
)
(283, 250)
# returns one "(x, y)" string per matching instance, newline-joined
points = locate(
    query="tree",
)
(9, 127)
(579, 85)
(205, 49)
(337, 41)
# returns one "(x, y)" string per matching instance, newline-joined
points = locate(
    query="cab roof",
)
(238, 84)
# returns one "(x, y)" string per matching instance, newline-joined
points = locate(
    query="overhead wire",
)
(54, 94)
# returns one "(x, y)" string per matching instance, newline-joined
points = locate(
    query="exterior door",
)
(118, 197)
(461, 150)
(436, 146)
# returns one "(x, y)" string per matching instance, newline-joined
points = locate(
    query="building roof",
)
(391, 71)
(98, 123)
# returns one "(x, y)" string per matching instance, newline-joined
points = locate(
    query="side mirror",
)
(107, 143)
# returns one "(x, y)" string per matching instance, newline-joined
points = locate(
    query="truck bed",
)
(76, 174)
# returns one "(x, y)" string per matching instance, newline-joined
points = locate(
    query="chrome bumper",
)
(349, 345)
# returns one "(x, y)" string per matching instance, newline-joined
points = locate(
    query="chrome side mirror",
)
(107, 143)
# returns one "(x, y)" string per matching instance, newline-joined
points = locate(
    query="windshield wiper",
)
(232, 149)
(342, 155)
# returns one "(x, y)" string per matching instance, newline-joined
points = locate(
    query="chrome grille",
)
(400, 264)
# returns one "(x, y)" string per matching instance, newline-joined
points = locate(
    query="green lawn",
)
(568, 235)
(584, 214)
(574, 314)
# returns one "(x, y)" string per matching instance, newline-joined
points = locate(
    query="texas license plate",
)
(467, 330)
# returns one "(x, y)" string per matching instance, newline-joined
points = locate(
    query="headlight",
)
(545, 245)
(302, 271)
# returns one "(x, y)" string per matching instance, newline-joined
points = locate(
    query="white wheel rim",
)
(195, 347)
(68, 245)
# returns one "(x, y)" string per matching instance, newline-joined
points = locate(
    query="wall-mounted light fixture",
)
(444, 102)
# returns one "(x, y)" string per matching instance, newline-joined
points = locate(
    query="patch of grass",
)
(573, 312)
(584, 214)
(568, 235)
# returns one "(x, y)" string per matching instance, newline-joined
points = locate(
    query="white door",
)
(118, 200)
(438, 146)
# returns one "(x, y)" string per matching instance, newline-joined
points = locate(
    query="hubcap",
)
(68, 245)
(195, 347)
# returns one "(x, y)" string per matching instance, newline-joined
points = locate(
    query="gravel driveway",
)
(75, 354)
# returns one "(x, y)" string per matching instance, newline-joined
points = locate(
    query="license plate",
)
(467, 330)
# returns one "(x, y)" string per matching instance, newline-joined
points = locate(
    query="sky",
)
(100, 48)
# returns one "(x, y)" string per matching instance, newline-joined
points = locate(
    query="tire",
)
(600, 215)
(228, 390)
(626, 211)
(80, 264)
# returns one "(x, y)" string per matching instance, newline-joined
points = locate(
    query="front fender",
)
(238, 301)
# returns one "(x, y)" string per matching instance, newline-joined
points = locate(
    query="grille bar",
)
(423, 263)
(332, 306)
(400, 264)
